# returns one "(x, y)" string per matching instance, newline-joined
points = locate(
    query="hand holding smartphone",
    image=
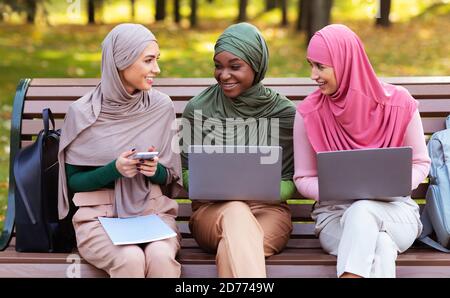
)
(145, 155)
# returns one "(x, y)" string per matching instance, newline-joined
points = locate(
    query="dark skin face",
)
(233, 74)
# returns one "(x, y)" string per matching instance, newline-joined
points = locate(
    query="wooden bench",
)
(302, 257)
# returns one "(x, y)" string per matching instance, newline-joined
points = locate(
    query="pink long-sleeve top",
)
(305, 176)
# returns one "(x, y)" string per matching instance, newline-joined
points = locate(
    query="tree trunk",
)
(319, 16)
(91, 12)
(31, 7)
(271, 4)
(284, 10)
(303, 14)
(133, 9)
(383, 13)
(242, 17)
(193, 16)
(176, 11)
(160, 13)
(99, 10)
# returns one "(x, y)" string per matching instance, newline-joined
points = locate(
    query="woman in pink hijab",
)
(353, 109)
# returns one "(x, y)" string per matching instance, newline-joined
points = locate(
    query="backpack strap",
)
(430, 242)
(47, 117)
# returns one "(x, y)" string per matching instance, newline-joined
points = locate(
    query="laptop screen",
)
(234, 172)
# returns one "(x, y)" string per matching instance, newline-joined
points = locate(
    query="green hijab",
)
(258, 106)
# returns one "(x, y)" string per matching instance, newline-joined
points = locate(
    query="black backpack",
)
(36, 168)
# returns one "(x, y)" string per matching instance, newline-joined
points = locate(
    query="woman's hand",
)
(148, 167)
(126, 166)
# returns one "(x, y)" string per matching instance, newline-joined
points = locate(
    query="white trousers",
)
(367, 235)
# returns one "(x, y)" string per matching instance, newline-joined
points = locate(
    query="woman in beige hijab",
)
(101, 132)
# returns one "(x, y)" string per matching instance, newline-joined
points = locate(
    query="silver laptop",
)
(364, 174)
(235, 173)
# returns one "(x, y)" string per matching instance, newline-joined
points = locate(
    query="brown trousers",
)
(241, 234)
(154, 259)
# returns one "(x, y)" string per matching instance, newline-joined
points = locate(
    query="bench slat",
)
(43, 270)
(416, 80)
(431, 125)
(33, 111)
(187, 92)
(176, 93)
(32, 127)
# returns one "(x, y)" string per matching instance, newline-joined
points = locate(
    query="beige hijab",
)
(107, 121)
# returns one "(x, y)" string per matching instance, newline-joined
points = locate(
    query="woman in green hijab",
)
(242, 233)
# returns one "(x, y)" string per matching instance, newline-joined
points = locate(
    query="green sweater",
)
(90, 178)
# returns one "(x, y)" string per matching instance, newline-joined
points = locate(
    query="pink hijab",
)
(364, 112)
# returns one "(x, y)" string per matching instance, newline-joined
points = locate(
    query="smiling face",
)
(324, 76)
(139, 76)
(233, 74)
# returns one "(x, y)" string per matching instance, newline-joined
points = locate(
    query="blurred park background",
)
(61, 38)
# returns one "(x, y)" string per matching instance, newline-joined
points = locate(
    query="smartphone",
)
(145, 155)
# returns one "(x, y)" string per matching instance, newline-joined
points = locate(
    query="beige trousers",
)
(154, 259)
(241, 234)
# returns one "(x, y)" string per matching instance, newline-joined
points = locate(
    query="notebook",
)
(380, 173)
(133, 230)
(235, 173)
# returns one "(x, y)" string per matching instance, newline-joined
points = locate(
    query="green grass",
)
(418, 44)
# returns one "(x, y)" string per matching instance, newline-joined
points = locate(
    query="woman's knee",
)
(130, 255)
(236, 210)
(160, 251)
(236, 221)
(237, 215)
(360, 211)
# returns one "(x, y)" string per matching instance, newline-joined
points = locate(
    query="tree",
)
(313, 15)
(383, 13)
(176, 11)
(271, 4)
(94, 8)
(160, 12)
(242, 17)
(193, 16)
(284, 9)
(303, 14)
(91, 11)
(320, 11)
(133, 9)
(29, 7)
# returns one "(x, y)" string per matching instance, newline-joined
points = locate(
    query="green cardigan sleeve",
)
(85, 178)
(287, 189)
(160, 176)
(186, 179)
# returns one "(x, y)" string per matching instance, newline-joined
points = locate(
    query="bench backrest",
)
(32, 96)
